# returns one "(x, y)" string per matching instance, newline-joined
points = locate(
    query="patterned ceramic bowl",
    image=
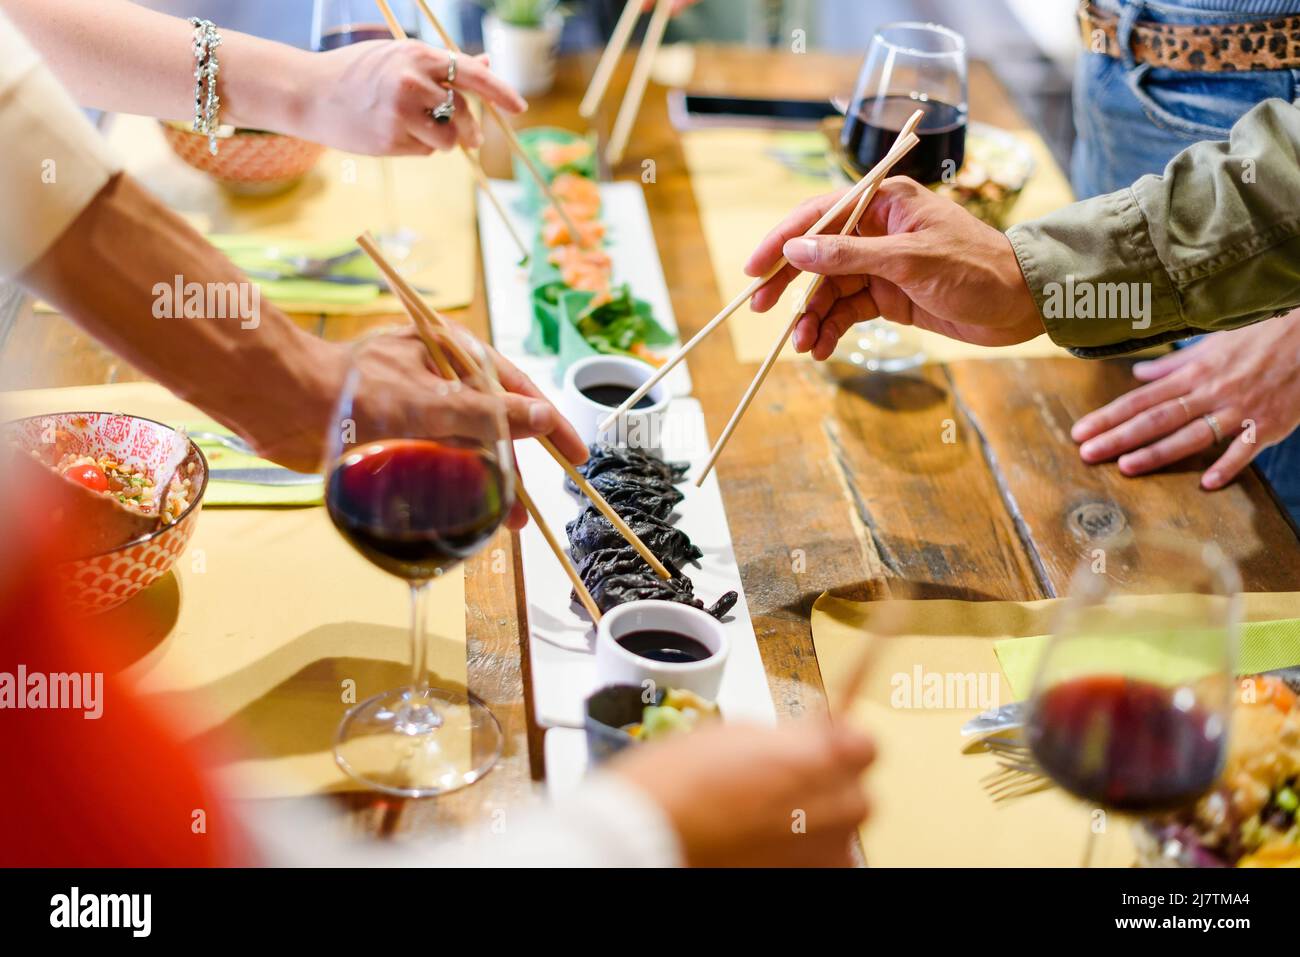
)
(248, 162)
(99, 582)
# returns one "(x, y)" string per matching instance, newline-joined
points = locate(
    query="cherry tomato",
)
(91, 476)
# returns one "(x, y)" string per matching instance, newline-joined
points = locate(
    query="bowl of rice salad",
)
(134, 489)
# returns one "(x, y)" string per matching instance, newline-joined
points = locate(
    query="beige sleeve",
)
(53, 161)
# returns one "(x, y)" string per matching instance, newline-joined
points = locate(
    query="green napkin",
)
(253, 254)
(1265, 646)
(242, 494)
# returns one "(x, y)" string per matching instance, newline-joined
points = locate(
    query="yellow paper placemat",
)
(929, 802)
(337, 200)
(742, 190)
(269, 627)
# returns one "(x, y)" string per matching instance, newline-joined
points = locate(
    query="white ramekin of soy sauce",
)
(597, 385)
(668, 644)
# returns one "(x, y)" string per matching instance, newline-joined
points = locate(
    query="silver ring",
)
(1213, 423)
(1182, 400)
(451, 68)
(444, 111)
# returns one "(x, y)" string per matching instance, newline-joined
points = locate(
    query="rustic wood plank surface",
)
(960, 481)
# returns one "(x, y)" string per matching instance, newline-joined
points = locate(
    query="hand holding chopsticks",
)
(508, 130)
(427, 320)
(877, 173)
(480, 177)
(900, 149)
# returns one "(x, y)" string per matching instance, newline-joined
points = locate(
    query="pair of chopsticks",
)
(395, 28)
(427, 322)
(906, 141)
(631, 106)
(865, 187)
(491, 109)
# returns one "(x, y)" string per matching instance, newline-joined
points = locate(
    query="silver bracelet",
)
(207, 102)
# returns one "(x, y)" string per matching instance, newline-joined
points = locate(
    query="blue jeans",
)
(1132, 119)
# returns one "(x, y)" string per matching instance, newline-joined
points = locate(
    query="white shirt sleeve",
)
(605, 823)
(53, 162)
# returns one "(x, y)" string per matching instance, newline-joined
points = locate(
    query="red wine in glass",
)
(1127, 744)
(873, 127)
(416, 507)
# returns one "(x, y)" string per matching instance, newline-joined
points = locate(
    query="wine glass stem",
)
(419, 643)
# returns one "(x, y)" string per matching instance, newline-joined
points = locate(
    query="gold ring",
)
(1182, 400)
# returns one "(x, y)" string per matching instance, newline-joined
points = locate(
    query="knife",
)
(343, 280)
(264, 476)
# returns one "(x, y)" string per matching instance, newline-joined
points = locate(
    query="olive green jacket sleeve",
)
(1213, 243)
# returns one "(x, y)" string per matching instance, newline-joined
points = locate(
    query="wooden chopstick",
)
(900, 149)
(845, 201)
(418, 307)
(511, 138)
(609, 59)
(636, 86)
(579, 588)
(428, 333)
(395, 28)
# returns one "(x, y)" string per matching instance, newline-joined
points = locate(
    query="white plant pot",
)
(523, 57)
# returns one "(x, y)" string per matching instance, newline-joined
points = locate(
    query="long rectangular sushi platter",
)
(561, 638)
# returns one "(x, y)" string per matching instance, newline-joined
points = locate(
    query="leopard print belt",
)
(1201, 48)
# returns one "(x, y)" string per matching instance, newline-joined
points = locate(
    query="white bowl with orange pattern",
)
(96, 583)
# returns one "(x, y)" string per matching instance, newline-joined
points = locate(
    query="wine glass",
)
(909, 67)
(1134, 692)
(416, 496)
(340, 23)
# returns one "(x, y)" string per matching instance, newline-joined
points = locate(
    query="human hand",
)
(917, 259)
(399, 384)
(375, 98)
(1247, 378)
(737, 793)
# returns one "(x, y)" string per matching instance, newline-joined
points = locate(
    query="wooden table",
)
(844, 486)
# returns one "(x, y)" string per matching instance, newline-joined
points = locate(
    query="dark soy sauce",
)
(612, 396)
(669, 646)
(871, 129)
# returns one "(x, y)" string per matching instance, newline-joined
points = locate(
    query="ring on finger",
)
(1213, 423)
(444, 111)
(451, 68)
(1187, 410)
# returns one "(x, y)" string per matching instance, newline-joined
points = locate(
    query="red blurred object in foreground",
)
(119, 790)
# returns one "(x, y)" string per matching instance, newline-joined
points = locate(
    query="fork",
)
(232, 442)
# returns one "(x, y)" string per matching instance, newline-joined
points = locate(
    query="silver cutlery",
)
(1005, 718)
(264, 476)
(310, 267)
(271, 276)
(233, 442)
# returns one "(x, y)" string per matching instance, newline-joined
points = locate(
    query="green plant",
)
(522, 13)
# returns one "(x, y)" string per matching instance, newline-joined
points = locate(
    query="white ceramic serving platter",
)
(631, 245)
(561, 636)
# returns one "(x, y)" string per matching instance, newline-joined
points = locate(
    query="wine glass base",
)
(418, 743)
(879, 346)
